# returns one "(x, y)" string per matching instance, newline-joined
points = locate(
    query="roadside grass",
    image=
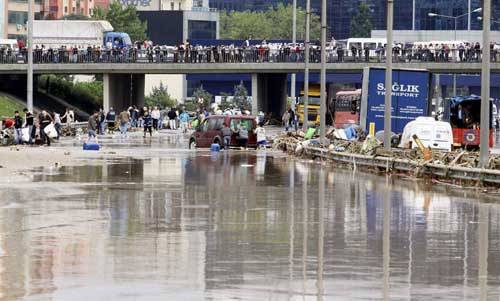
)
(8, 106)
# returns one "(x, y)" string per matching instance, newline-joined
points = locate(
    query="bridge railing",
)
(206, 56)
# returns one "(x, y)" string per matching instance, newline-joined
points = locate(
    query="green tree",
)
(159, 97)
(240, 98)
(75, 17)
(274, 23)
(361, 26)
(202, 97)
(123, 19)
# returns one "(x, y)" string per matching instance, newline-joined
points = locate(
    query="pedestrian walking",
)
(57, 124)
(111, 119)
(29, 122)
(172, 116)
(18, 128)
(261, 136)
(184, 121)
(92, 127)
(226, 135)
(44, 120)
(155, 115)
(148, 124)
(124, 120)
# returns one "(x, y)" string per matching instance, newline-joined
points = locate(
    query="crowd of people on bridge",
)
(148, 52)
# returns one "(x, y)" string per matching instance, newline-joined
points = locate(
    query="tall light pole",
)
(306, 71)
(322, 110)
(388, 77)
(485, 87)
(29, 42)
(294, 41)
(455, 18)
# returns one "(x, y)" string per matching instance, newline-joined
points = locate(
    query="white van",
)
(432, 133)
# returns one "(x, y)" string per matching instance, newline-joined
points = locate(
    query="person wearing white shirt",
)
(155, 115)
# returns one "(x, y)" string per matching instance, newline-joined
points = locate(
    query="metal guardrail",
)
(489, 176)
(227, 55)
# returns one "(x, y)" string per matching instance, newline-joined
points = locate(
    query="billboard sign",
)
(410, 97)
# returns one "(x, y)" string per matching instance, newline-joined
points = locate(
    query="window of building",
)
(18, 17)
(202, 29)
(172, 6)
(197, 3)
(90, 11)
(180, 6)
(73, 10)
(65, 9)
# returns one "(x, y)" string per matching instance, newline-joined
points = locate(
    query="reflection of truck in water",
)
(70, 33)
(465, 120)
(342, 106)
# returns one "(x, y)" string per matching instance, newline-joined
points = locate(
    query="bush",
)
(87, 96)
(159, 97)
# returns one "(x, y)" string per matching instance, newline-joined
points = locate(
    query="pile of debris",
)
(296, 143)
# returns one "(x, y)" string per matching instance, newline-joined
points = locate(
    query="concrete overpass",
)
(251, 68)
(124, 82)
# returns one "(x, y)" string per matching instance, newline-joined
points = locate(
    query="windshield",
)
(312, 100)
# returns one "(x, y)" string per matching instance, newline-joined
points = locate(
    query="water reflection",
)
(195, 226)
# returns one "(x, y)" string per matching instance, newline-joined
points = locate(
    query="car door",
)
(201, 139)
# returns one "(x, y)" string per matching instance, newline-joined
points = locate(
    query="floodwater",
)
(171, 224)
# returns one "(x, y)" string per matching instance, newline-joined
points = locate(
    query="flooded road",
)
(171, 224)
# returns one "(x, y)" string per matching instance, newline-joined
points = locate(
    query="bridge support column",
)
(255, 94)
(123, 90)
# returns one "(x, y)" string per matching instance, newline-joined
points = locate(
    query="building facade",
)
(408, 14)
(15, 17)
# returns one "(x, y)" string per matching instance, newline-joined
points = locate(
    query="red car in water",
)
(210, 130)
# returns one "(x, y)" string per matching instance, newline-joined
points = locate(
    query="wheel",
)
(192, 144)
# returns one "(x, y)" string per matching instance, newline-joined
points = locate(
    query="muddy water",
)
(180, 225)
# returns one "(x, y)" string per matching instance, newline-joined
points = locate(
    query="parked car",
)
(209, 131)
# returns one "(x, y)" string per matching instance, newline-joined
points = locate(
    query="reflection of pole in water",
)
(483, 251)
(291, 225)
(387, 242)
(321, 232)
(466, 256)
(304, 233)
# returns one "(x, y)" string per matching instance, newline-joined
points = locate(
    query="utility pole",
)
(322, 110)
(485, 87)
(306, 71)
(29, 96)
(294, 41)
(470, 15)
(388, 77)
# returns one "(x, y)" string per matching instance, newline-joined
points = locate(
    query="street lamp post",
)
(484, 146)
(455, 18)
(29, 88)
(306, 71)
(322, 108)
(294, 41)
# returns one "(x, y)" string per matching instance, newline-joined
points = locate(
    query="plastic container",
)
(91, 146)
(215, 147)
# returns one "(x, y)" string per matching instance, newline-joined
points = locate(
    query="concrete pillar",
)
(106, 95)
(138, 83)
(255, 94)
(123, 90)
